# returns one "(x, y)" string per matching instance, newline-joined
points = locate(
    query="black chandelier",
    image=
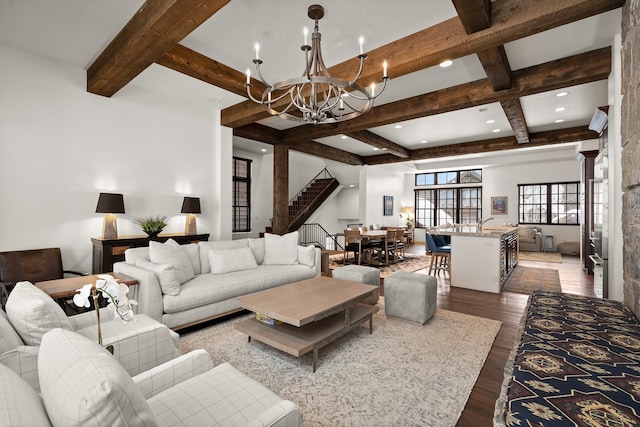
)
(317, 97)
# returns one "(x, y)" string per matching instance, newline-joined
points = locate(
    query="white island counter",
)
(481, 259)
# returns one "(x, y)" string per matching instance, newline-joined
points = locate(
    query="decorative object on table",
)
(407, 214)
(110, 204)
(388, 205)
(112, 291)
(191, 207)
(499, 205)
(335, 100)
(152, 225)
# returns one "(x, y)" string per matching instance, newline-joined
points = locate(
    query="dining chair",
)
(353, 242)
(386, 247)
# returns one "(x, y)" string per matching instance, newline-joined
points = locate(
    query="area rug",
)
(541, 256)
(525, 280)
(411, 263)
(403, 374)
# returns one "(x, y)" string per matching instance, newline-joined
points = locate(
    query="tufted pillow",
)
(9, 338)
(257, 246)
(166, 276)
(33, 313)
(281, 250)
(307, 255)
(82, 384)
(229, 260)
(20, 404)
(161, 253)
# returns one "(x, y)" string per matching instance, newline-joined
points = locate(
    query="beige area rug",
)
(411, 263)
(403, 374)
(541, 256)
(525, 280)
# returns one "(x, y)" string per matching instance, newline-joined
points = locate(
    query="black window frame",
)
(551, 203)
(434, 214)
(241, 209)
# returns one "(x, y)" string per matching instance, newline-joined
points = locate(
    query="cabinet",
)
(106, 252)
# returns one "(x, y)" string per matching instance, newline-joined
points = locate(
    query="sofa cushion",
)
(526, 233)
(229, 260)
(307, 255)
(20, 404)
(9, 338)
(83, 384)
(207, 289)
(205, 247)
(167, 277)
(281, 250)
(257, 246)
(33, 313)
(161, 253)
(192, 251)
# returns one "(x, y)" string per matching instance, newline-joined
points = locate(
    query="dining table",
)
(377, 235)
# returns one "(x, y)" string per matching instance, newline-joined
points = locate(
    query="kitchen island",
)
(481, 258)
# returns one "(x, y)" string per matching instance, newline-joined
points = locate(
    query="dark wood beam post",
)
(280, 189)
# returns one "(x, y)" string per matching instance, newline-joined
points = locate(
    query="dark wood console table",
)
(106, 252)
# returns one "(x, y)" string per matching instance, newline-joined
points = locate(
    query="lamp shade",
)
(191, 205)
(110, 203)
(407, 210)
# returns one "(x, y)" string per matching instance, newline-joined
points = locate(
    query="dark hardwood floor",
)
(508, 308)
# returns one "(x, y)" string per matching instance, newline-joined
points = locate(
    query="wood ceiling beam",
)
(574, 70)
(155, 28)
(511, 20)
(258, 132)
(561, 136)
(186, 61)
(475, 16)
(329, 153)
(379, 142)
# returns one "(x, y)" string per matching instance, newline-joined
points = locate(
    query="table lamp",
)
(191, 207)
(110, 204)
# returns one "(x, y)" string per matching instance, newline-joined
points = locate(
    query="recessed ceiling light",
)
(490, 121)
(264, 150)
(398, 126)
(447, 63)
(344, 137)
(375, 148)
(384, 149)
(496, 130)
(560, 109)
(560, 94)
(424, 141)
(351, 185)
(559, 120)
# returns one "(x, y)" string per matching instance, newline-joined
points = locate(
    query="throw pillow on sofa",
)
(230, 260)
(192, 251)
(281, 250)
(169, 282)
(160, 253)
(307, 255)
(9, 338)
(33, 313)
(20, 404)
(257, 247)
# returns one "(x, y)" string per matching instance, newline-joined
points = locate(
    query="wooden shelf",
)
(300, 340)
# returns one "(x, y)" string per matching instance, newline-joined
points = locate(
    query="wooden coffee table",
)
(307, 315)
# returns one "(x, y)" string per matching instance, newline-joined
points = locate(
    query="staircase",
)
(310, 198)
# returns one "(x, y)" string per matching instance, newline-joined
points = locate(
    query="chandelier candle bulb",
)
(305, 31)
(248, 76)
(384, 69)
(257, 46)
(361, 42)
(373, 89)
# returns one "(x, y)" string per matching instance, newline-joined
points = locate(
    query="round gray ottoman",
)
(361, 274)
(410, 296)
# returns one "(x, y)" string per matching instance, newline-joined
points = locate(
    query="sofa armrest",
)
(89, 318)
(24, 361)
(318, 263)
(283, 414)
(173, 372)
(148, 292)
(138, 345)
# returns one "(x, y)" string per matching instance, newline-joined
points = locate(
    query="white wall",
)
(60, 146)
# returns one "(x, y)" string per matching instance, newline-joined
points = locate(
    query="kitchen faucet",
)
(481, 222)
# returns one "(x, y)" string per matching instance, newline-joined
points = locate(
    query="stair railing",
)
(324, 174)
(315, 234)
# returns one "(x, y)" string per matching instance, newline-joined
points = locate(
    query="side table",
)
(61, 289)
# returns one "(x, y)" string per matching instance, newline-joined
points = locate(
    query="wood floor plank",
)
(508, 308)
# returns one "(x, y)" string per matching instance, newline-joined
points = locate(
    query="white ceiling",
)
(74, 32)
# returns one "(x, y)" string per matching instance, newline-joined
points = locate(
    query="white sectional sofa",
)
(182, 285)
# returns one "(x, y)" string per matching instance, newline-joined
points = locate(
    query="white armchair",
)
(82, 384)
(138, 346)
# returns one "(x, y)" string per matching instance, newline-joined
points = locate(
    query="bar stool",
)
(549, 238)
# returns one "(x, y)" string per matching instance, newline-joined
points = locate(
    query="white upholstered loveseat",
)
(182, 285)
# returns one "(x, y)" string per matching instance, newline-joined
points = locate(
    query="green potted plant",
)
(410, 222)
(152, 225)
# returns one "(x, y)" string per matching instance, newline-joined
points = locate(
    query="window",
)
(553, 203)
(241, 194)
(448, 205)
(472, 176)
